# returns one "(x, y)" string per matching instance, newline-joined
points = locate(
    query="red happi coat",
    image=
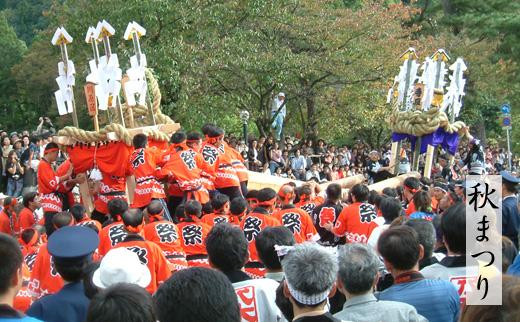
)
(142, 165)
(238, 163)
(108, 187)
(48, 185)
(184, 170)
(220, 161)
(166, 235)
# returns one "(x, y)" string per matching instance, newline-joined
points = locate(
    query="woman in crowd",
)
(14, 174)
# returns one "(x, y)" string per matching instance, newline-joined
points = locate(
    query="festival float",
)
(423, 112)
(104, 152)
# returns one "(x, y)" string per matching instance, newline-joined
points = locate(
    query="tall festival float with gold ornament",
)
(105, 151)
(424, 109)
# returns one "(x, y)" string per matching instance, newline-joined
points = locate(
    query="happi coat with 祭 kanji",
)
(356, 222)
(220, 161)
(299, 222)
(184, 170)
(215, 218)
(142, 165)
(252, 224)
(193, 240)
(323, 214)
(110, 236)
(166, 235)
(45, 279)
(310, 204)
(151, 255)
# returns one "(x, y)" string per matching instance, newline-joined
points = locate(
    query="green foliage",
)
(332, 58)
(11, 52)
(28, 17)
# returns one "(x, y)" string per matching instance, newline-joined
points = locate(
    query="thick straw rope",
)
(420, 123)
(140, 120)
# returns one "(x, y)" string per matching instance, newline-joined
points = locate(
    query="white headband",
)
(308, 299)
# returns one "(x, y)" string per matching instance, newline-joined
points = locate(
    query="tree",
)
(11, 52)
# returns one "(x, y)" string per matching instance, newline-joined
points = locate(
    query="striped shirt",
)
(437, 300)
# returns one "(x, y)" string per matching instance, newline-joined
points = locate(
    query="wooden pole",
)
(392, 182)
(86, 198)
(429, 161)
(395, 157)
(416, 154)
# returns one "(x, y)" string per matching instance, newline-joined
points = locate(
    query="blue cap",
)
(73, 242)
(508, 177)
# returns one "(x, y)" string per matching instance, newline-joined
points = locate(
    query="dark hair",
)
(12, 258)
(133, 218)
(117, 207)
(179, 212)
(372, 195)
(28, 198)
(140, 141)
(237, 206)
(71, 270)
(90, 289)
(267, 239)
(227, 247)
(122, 302)
(510, 187)
(426, 234)
(266, 194)
(215, 132)
(193, 136)
(412, 182)
(178, 137)
(206, 128)
(252, 194)
(51, 145)
(333, 192)
(422, 201)
(283, 303)
(390, 191)
(61, 219)
(400, 247)
(453, 228)
(218, 201)
(197, 294)
(155, 207)
(390, 209)
(360, 192)
(78, 212)
(206, 208)
(28, 234)
(193, 207)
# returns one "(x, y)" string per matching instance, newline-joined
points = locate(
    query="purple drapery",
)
(448, 141)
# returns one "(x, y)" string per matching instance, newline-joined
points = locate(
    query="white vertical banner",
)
(484, 239)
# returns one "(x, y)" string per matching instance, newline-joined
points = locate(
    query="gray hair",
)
(310, 269)
(358, 266)
(426, 232)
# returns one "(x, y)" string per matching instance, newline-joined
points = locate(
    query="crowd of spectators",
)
(305, 159)
(297, 254)
(20, 154)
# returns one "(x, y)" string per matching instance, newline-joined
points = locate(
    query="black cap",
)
(72, 242)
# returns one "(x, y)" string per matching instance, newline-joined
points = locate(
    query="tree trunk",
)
(312, 123)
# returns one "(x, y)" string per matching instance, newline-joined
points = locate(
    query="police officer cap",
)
(508, 177)
(73, 242)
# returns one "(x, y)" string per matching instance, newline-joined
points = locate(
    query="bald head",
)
(286, 194)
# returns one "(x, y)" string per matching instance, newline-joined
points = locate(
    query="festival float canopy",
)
(423, 112)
